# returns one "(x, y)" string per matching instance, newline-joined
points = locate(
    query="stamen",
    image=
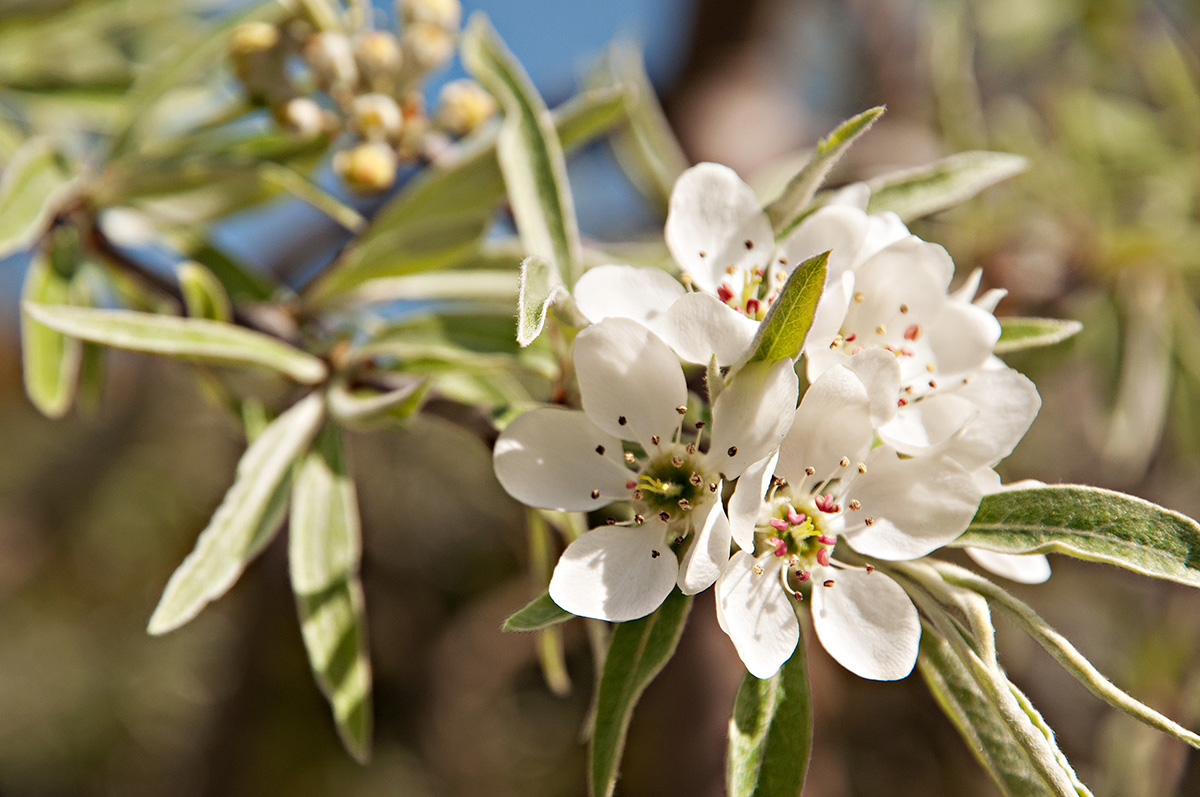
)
(630, 458)
(870, 569)
(655, 439)
(823, 557)
(930, 367)
(869, 520)
(732, 451)
(681, 409)
(664, 516)
(637, 495)
(757, 569)
(612, 521)
(639, 519)
(904, 308)
(859, 297)
(630, 484)
(691, 448)
(933, 383)
(825, 504)
(913, 332)
(621, 420)
(881, 330)
(777, 524)
(844, 462)
(700, 424)
(749, 243)
(654, 554)
(780, 546)
(900, 402)
(851, 337)
(684, 505)
(828, 583)
(600, 450)
(855, 505)
(595, 494)
(810, 471)
(796, 594)
(677, 462)
(703, 254)
(712, 487)
(695, 479)
(783, 261)
(825, 539)
(862, 467)
(724, 293)
(796, 518)
(803, 575)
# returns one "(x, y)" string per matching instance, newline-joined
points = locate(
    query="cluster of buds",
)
(364, 86)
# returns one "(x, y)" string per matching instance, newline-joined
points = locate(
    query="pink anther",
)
(780, 546)
(724, 292)
(777, 524)
(823, 557)
(796, 518)
(827, 540)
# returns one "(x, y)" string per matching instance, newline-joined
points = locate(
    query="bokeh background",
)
(96, 510)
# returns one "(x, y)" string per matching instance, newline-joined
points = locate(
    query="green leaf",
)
(539, 288)
(637, 651)
(497, 287)
(1017, 334)
(239, 282)
(51, 361)
(543, 557)
(786, 211)
(203, 293)
(919, 192)
(531, 156)
(355, 408)
(31, 184)
(324, 549)
(303, 189)
(783, 330)
(246, 520)
(1089, 523)
(183, 338)
(541, 612)
(770, 733)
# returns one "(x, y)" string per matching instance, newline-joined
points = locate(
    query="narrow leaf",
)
(541, 612)
(51, 361)
(361, 407)
(531, 156)
(783, 330)
(1089, 523)
(246, 520)
(203, 293)
(539, 286)
(787, 210)
(914, 193)
(324, 548)
(305, 190)
(183, 338)
(549, 643)
(30, 185)
(770, 733)
(498, 286)
(1017, 334)
(637, 651)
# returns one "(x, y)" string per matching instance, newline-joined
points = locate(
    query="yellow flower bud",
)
(253, 37)
(376, 116)
(445, 14)
(367, 168)
(463, 105)
(331, 58)
(427, 46)
(302, 116)
(379, 59)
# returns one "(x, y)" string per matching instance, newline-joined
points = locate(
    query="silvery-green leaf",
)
(246, 520)
(50, 360)
(770, 733)
(498, 287)
(914, 193)
(787, 210)
(30, 184)
(203, 294)
(530, 154)
(190, 339)
(539, 613)
(1018, 334)
(549, 637)
(782, 331)
(303, 189)
(637, 652)
(539, 287)
(1089, 523)
(354, 407)
(324, 548)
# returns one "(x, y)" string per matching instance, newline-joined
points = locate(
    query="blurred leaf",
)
(183, 338)
(364, 407)
(499, 287)
(239, 282)
(541, 612)
(539, 288)
(324, 548)
(919, 192)
(32, 183)
(246, 520)
(770, 733)
(531, 156)
(637, 651)
(549, 643)
(783, 329)
(303, 189)
(1089, 523)
(203, 293)
(51, 360)
(1018, 334)
(786, 211)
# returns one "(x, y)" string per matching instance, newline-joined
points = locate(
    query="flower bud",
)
(376, 116)
(303, 116)
(367, 168)
(463, 105)
(331, 58)
(256, 56)
(427, 47)
(379, 59)
(444, 14)
(253, 37)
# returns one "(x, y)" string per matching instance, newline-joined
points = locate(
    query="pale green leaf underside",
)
(783, 330)
(196, 340)
(363, 407)
(637, 652)
(50, 360)
(914, 193)
(541, 612)
(203, 294)
(246, 520)
(477, 285)
(1017, 334)
(29, 184)
(770, 733)
(1089, 523)
(324, 548)
(539, 285)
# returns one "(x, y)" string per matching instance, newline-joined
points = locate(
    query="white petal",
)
(757, 614)
(611, 573)
(883, 231)
(626, 371)
(1007, 403)
(714, 212)
(642, 294)
(990, 299)
(880, 373)
(827, 323)
(922, 426)
(916, 505)
(909, 272)
(966, 292)
(962, 337)
(855, 195)
(751, 415)
(1022, 568)
(840, 229)
(747, 500)
(709, 552)
(833, 421)
(866, 622)
(548, 458)
(700, 325)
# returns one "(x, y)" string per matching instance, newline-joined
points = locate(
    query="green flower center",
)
(672, 483)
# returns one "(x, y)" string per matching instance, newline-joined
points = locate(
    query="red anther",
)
(827, 540)
(630, 484)
(823, 557)
(870, 569)
(796, 518)
(803, 575)
(724, 292)
(901, 402)
(752, 305)
(913, 332)
(777, 524)
(825, 503)
(852, 336)
(780, 546)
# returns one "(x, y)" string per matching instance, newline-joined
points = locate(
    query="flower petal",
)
(827, 323)
(611, 573)
(700, 325)
(1007, 403)
(833, 421)
(642, 294)
(757, 614)
(880, 374)
(840, 229)
(866, 622)
(747, 500)
(549, 458)
(962, 337)
(625, 371)
(712, 217)
(916, 505)
(709, 552)
(921, 426)
(752, 414)
(1021, 568)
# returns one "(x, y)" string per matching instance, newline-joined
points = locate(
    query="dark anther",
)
(600, 450)
(595, 494)
(655, 554)
(621, 420)
(732, 451)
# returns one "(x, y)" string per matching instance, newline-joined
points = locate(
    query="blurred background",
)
(1102, 96)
